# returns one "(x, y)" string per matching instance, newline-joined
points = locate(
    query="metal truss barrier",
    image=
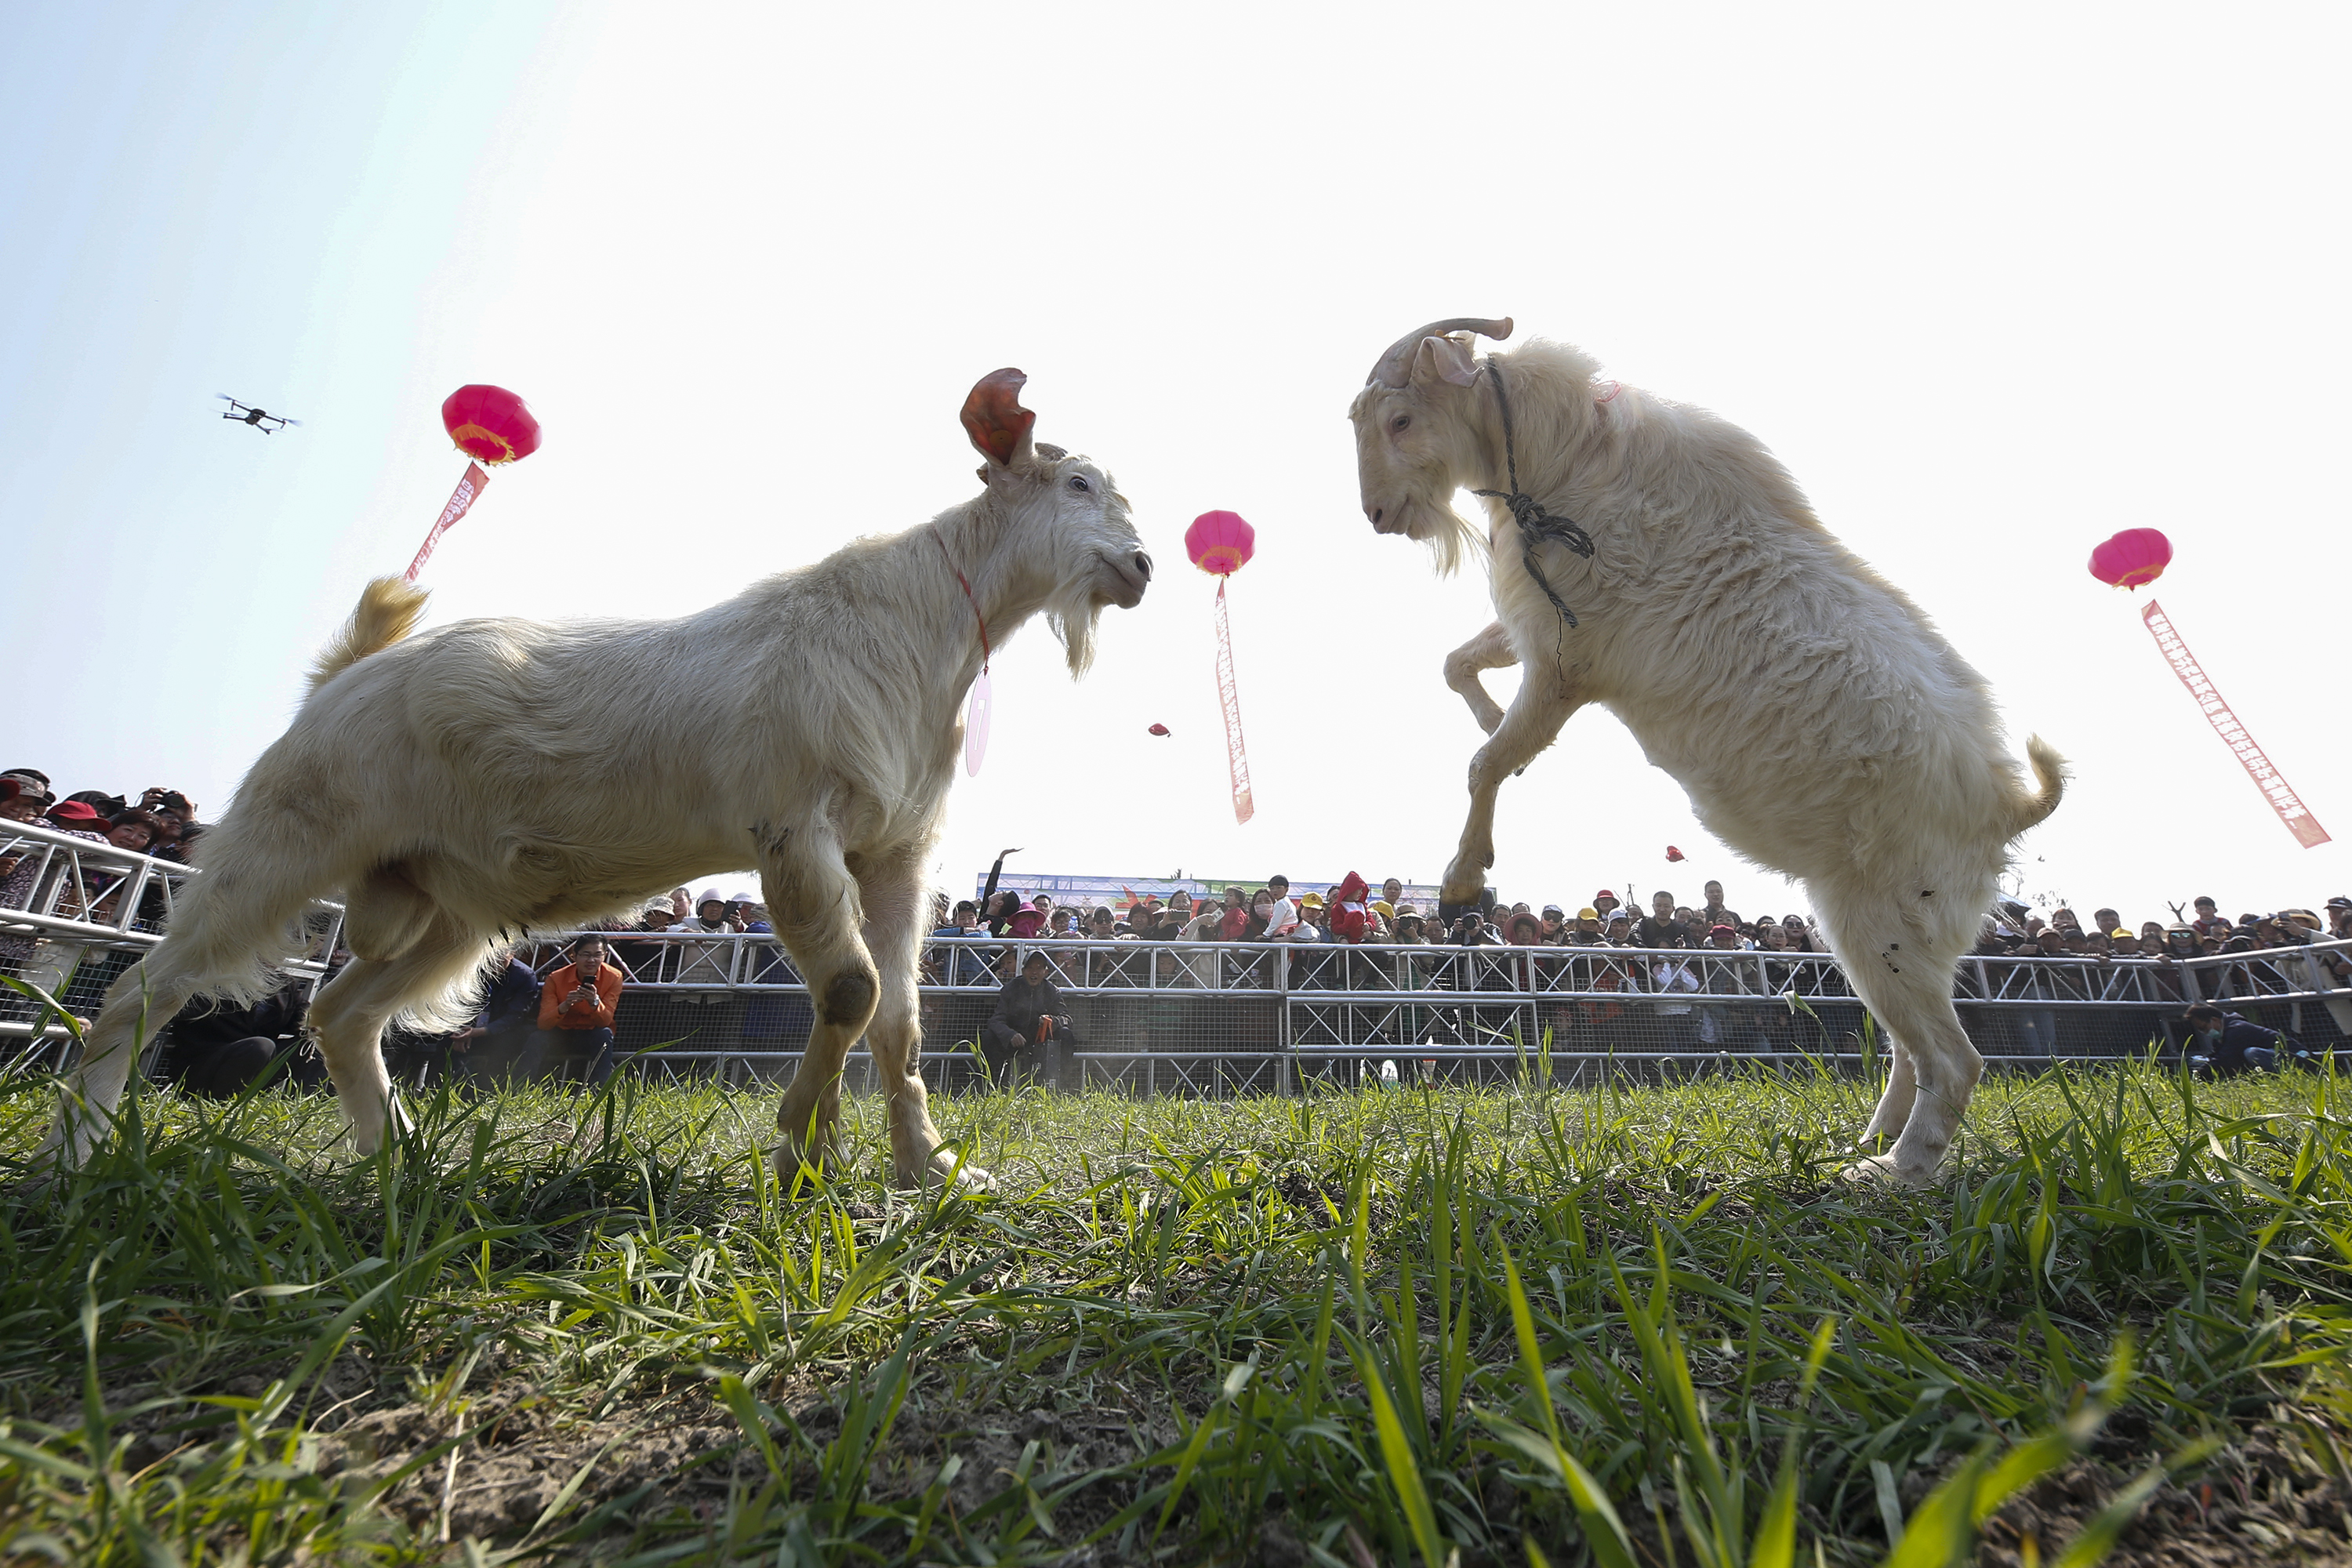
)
(1226, 1017)
(1215, 1018)
(88, 911)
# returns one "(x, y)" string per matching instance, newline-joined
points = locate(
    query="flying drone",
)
(261, 419)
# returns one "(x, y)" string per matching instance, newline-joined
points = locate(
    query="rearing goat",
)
(503, 775)
(1738, 641)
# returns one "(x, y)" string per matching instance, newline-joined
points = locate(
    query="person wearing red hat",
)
(78, 817)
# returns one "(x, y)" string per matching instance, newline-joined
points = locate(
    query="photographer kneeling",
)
(574, 1038)
(2224, 1044)
(1030, 1025)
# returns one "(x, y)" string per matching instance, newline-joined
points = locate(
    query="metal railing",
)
(1201, 1016)
(756, 961)
(86, 909)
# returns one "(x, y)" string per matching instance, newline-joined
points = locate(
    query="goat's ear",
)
(1446, 359)
(993, 417)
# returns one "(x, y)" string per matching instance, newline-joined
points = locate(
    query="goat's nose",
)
(1376, 512)
(1143, 564)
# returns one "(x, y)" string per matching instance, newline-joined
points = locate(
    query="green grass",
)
(1647, 1326)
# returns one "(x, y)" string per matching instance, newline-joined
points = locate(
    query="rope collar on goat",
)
(976, 615)
(1536, 525)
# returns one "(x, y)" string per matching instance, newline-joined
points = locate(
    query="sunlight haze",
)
(1994, 284)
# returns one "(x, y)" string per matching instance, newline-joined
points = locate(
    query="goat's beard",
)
(1452, 538)
(1072, 613)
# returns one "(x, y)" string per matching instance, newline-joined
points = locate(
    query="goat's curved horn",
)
(1398, 361)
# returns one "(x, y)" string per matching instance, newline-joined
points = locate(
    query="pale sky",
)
(1994, 282)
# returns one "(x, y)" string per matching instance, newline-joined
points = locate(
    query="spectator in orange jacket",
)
(574, 1038)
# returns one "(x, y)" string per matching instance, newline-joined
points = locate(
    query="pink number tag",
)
(975, 723)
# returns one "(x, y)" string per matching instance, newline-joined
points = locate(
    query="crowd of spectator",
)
(1670, 1003)
(1351, 911)
(161, 822)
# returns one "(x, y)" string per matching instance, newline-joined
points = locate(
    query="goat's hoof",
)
(1890, 1171)
(1466, 876)
(945, 1171)
(50, 1165)
(792, 1163)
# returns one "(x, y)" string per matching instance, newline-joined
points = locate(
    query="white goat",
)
(1820, 725)
(499, 776)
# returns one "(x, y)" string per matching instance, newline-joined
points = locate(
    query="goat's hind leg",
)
(349, 1016)
(1910, 993)
(142, 1001)
(1543, 705)
(1490, 649)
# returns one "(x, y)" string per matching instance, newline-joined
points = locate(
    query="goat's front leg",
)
(1542, 706)
(894, 901)
(1490, 649)
(818, 914)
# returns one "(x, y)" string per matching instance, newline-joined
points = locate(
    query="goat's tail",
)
(2049, 776)
(388, 610)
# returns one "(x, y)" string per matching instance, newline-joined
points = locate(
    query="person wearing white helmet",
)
(709, 1013)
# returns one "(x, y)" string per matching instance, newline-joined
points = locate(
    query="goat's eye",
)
(1078, 482)
(1401, 421)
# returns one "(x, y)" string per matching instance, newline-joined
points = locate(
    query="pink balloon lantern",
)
(1220, 542)
(489, 424)
(2132, 559)
(1220, 545)
(2137, 557)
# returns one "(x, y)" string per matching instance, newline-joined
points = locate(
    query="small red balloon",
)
(2132, 559)
(489, 423)
(1160, 728)
(1672, 853)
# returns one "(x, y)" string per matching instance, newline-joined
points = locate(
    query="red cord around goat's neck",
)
(969, 600)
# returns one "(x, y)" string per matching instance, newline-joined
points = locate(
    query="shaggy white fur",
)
(501, 777)
(1738, 641)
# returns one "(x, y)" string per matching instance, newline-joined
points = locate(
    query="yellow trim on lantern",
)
(464, 432)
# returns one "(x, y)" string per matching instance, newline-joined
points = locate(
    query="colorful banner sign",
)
(2267, 778)
(1236, 758)
(1119, 891)
(460, 500)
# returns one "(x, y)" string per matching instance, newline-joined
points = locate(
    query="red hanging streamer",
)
(2275, 787)
(1236, 758)
(460, 500)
